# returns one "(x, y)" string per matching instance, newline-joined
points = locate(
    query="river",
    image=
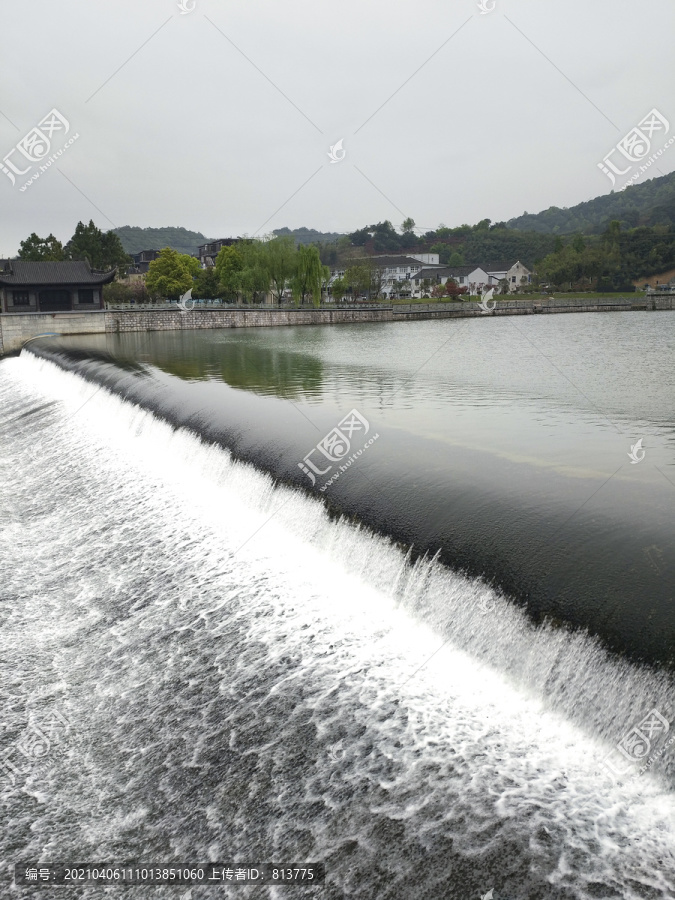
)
(393, 597)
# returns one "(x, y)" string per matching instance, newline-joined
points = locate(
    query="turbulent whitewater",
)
(244, 676)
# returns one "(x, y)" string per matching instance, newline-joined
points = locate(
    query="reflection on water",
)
(242, 363)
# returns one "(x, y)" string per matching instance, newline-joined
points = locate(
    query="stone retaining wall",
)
(176, 320)
(522, 306)
(17, 328)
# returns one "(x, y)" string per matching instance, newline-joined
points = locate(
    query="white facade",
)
(473, 279)
(513, 275)
(429, 259)
(395, 268)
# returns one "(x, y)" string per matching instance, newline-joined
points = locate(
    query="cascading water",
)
(241, 676)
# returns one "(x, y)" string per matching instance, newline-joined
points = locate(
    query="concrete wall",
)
(17, 328)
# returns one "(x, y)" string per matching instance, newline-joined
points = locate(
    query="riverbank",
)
(18, 328)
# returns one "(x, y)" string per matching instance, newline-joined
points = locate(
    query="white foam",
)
(514, 720)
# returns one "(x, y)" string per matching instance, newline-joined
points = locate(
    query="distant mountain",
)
(651, 203)
(136, 239)
(309, 235)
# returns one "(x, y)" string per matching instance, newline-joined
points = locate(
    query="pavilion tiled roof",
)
(20, 271)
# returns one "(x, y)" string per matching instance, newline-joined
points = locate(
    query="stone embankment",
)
(17, 329)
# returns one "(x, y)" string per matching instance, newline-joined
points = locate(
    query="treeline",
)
(102, 250)
(648, 204)
(181, 239)
(246, 271)
(608, 261)
(484, 242)
(611, 261)
(308, 235)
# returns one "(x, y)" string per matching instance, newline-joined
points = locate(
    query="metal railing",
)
(222, 305)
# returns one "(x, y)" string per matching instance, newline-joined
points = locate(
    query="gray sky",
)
(221, 119)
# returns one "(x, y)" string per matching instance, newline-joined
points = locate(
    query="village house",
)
(515, 274)
(142, 261)
(45, 287)
(396, 270)
(473, 278)
(207, 253)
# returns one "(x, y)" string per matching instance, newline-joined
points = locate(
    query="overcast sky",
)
(221, 119)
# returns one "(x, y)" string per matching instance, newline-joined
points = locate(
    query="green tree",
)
(408, 226)
(358, 278)
(281, 259)
(102, 250)
(339, 288)
(38, 249)
(171, 274)
(206, 284)
(456, 259)
(254, 276)
(117, 292)
(613, 231)
(309, 275)
(229, 266)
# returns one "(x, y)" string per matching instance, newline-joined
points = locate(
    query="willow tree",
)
(229, 266)
(280, 257)
(309, 275)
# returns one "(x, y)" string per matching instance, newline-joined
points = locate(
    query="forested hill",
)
(308, 235)
(651, 203)
(135, 239)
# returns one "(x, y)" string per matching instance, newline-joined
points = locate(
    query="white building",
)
(473, 278)
(396, 270)
(512, 272)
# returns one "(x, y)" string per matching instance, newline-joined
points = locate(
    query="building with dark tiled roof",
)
(513, 272)
(207, 253)
(142, 261)
(473, 278)
(51, 286)
(396, 270)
